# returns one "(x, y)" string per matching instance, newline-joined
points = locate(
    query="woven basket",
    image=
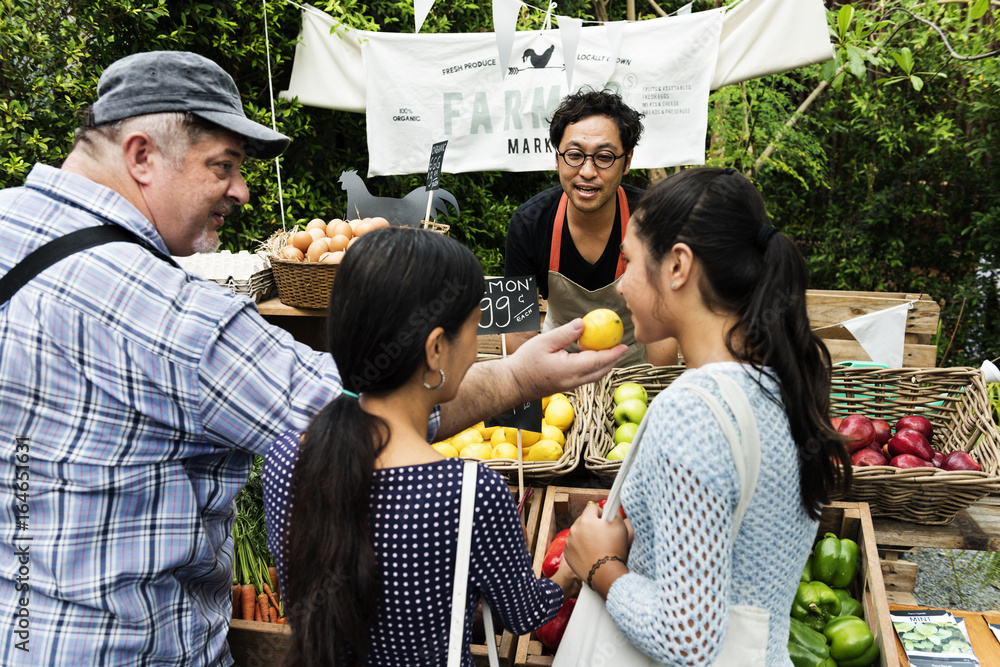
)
(599, 406)
(543, 472)
(303, 284)
(955, 401)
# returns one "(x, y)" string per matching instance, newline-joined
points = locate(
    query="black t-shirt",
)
(529, 239)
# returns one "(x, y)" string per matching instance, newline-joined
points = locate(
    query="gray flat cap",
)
(179, 81)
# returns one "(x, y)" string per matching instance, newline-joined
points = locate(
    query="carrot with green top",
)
(248, 600)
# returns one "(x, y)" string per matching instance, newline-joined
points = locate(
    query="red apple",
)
(868, 457)
(882, 431)
(910, 442)
(959, 461)
(910, 461)
(916, 423)
(858, 430)
(938, 457)
(835, 421)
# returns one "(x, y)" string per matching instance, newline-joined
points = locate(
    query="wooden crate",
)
(852, 520)
(256, 644)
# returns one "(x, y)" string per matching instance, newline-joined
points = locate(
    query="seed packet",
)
(934, 638)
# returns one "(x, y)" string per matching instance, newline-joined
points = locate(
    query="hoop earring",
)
(438, 385)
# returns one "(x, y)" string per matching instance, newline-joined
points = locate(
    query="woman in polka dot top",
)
(362, 514)
(706, 267)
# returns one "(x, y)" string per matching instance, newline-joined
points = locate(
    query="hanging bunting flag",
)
(421, 8)
(882, 334)
(569, 32)
(504, 25)
(614, 32)
(686, 9)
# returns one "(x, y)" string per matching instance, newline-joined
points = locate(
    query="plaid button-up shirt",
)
(132, 398)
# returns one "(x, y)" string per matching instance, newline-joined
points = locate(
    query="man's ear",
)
(628, 161)
(141, 157)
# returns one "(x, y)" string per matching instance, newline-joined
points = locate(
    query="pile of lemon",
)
(500, 442)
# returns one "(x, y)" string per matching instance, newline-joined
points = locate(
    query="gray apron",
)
(568, 300)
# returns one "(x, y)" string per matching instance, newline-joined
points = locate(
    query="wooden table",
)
(984, 643)
(307, 325)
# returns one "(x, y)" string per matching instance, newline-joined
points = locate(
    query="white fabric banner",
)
(425, 88)
(882, 334)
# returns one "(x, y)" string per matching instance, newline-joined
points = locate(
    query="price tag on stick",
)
(434, 173)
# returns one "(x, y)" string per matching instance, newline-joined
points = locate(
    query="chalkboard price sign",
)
(509, 305)
(527, 417)
(434, 168)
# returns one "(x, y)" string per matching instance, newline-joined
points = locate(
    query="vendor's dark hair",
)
(393, 288)
(588, 102)
(758, 275)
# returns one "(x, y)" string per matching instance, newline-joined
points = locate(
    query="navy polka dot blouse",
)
(414, 513)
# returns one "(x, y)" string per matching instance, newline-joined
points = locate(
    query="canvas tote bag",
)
(593, 639)
(457, 632)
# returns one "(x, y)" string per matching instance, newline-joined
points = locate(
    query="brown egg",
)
(302, 240)
(316, 223)
(379, 222)
(339, 242)
(354, 224)
(341, 228)
(318, 247)
(336, 257)
(325, 258)
(363, 229)
(352, 241)
(292, 253)
(317, 233)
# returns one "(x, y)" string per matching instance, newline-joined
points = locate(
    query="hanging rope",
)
(274, 124)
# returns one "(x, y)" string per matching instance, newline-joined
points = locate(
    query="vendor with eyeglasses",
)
(570, 236)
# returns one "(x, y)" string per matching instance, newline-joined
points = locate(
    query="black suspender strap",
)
(64, 246)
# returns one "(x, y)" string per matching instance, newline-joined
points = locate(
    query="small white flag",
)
(421, 8)
(990, 371)
(569, 31)
(504, 25)
(882, 334)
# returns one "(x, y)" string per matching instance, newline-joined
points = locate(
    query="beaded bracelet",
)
(599, 563)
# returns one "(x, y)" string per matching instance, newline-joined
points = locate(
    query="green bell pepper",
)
(835, 561)
(806, 647)
(848, 605)
(815, 604)
(807, 571)
(852, 644)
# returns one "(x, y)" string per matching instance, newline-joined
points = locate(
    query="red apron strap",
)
(623, 209)
(557, 229)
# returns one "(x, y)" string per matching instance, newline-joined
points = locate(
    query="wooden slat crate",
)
(845, 519)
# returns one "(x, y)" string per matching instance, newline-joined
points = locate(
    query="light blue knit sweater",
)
(680, 495)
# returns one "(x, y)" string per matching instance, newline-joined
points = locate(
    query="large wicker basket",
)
(598, 408)
(955, 401)
(544, 472)
(303, 284)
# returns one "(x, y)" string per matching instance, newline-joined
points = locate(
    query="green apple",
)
(625, 432)
(630, 390)
(619, 452)
(630, 410)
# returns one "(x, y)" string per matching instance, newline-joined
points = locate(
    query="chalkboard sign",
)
(527, 417)
(434, 168)
(509, 305)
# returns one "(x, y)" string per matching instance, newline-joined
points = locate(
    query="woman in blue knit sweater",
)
(706, 267)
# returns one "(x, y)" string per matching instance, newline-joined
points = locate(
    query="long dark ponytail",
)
(757, 274)
(392, 289)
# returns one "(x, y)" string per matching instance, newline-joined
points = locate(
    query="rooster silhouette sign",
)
(405, 212)
(537, 60)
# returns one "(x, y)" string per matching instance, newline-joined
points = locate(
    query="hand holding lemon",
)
(602, 329)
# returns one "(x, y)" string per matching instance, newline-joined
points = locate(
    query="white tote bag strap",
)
(466, 515)
(745, 446)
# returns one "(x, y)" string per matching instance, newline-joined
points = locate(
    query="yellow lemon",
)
(445, 450)
(602, 328)
(486, 431)
(505, 450)
(503, 434)
(528, 438)
(559, 414)
(479, 450)
(545, 450)
(554, 397)
(550, 432)
(466, 437)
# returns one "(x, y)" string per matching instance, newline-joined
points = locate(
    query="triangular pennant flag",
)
(421, 8)
(569, 31)
(614, 32)
(686, 9)
(882, 334)
(504, 23)
(990, 371)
